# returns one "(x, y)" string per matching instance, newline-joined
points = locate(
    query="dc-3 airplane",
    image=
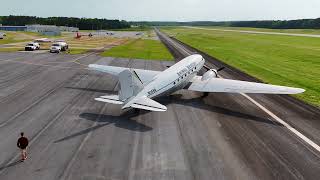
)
(138, 87)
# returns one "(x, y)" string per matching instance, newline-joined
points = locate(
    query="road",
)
(258, 32)
(223, 136)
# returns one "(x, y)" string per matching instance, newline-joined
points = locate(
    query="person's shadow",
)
(10, 165)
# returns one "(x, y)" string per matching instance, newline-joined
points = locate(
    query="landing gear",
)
(205, 94)
(137, 110)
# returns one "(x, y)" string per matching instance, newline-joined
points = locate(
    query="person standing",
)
(23, 143)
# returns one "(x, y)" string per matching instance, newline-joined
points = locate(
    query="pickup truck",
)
(55, 48)
(63, 44)
(32, 46)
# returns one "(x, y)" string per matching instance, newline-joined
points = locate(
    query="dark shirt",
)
(22, 143)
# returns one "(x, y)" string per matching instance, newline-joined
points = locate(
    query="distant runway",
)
(257, 32)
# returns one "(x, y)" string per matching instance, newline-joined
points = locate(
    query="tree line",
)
(96, 24)
(81, 23)
(290, 24)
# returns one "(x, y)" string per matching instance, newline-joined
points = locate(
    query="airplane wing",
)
(144, 75)
(235, 86)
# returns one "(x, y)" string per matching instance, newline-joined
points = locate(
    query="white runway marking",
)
(296, 132)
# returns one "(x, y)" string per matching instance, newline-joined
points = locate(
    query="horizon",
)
(168, 10)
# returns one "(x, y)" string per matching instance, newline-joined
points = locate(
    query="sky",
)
(166, 10)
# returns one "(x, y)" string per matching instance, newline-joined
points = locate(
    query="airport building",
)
(68, 29)
(13, 28)
(49, 30)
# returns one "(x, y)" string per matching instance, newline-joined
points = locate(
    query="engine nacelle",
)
(212, 73)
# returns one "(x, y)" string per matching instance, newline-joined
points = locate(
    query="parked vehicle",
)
(2, 35)
(32, 46)
(55, 48)
(63, 44)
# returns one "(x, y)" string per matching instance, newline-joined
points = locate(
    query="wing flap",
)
(235, 86)
(112, 99)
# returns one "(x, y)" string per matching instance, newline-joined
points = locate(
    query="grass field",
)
(140, 28)
(17, 41)
(10, 49)
(77, 51)
(282, 60)
(295, 31)
(14, 37)
(140, 49)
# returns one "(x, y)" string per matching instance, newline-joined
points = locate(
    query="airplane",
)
(139, 87)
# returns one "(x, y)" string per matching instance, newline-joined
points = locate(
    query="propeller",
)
(220, 69)
(208, 68)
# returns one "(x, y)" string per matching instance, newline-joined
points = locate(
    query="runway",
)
(269, 148)
(258, 32)
(223, 136)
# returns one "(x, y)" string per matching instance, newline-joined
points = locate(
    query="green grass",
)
(283, 60)
(139, 28)
(295, 31)
(10, 49)
(77, 51)
(10, 39)
(140, 49)
(19, 36)
(7, 40)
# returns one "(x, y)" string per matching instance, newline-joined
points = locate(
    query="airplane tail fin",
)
(130, 84)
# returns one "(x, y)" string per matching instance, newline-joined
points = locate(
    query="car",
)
(32, 46)
(2, 35)
(63, 44)
(55, 48)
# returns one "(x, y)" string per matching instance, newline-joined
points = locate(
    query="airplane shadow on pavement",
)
(126, 121)
(123, 121)
(198, 102)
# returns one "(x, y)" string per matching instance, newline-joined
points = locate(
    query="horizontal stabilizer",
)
(112, 99)
(144, 75)
(235, 86)
(147, 104)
